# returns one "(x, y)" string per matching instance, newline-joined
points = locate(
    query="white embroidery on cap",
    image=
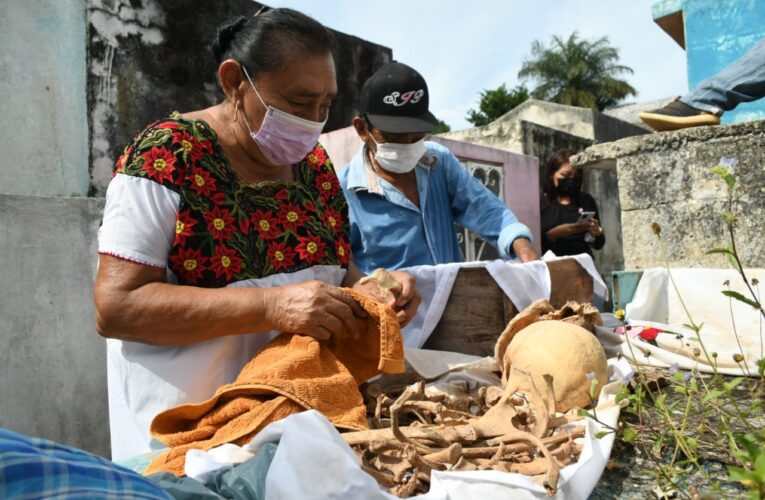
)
(413, 97)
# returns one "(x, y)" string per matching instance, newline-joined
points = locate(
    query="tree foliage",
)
(577, 72)
(495, 103)
(442, 127)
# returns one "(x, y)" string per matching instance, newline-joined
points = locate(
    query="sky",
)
(464, 47)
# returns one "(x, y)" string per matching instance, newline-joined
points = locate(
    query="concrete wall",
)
(150, 57)
(43, 126)
(52, 361)
(666, 178)
(603, 185)
(579, 122)
(714, 34)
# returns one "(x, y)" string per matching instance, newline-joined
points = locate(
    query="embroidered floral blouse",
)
(176, 202)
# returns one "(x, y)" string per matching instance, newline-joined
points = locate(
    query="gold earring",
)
(236, 109)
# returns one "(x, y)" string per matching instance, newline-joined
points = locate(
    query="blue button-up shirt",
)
(389, 231)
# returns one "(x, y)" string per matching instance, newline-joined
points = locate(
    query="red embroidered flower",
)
(282, 194)
(220, 223)
(225, 262)
(218, 198)
(317, 158)
(281, 256)
(183, 225)
(291, 217)
(201, 182)
(159, 164)
(343, 251)
(189, 264)
(333, 220)
(311, 248)
(191, 146)
(328, 185)
(265, 223)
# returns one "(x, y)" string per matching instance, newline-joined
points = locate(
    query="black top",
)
(555, 214)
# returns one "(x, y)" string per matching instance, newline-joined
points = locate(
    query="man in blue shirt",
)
(405, 194)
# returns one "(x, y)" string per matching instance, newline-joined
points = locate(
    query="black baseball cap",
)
(395, 99)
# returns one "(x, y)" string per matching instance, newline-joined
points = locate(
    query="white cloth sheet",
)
(729, 327)
(310, 451)
(522, 283)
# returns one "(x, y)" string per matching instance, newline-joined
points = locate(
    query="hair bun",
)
(226, 33)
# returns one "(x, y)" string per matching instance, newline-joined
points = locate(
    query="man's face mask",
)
(283, 138)
(399, 158)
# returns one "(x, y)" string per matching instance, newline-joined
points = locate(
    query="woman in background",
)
(561, 205)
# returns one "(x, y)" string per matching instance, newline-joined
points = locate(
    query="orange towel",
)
(291, 374)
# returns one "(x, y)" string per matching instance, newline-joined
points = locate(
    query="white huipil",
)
(144, 380)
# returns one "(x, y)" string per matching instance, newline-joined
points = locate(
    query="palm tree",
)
(577, 72)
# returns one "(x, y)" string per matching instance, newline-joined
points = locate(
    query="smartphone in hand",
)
(585, 217)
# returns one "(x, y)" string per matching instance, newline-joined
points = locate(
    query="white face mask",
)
(399, 158)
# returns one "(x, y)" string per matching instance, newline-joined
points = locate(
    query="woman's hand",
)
(565, 230)
(594, 227)
(317, 309)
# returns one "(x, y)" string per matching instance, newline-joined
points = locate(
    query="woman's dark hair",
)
(266, 42)
(554, 163)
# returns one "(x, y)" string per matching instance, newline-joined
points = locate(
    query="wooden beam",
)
(478, 310)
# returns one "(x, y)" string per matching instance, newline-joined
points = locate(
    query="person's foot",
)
(677, 115)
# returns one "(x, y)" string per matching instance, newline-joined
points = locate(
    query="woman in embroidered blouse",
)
(240, 205)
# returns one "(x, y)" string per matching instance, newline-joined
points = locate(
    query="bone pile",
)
(509, 428)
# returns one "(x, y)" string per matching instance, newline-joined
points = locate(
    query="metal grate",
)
(493, 177)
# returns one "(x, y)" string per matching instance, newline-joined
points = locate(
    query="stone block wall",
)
(666, 178)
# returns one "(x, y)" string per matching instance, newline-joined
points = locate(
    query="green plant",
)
(680, 426)
(494, 103)
(577, 72)
(752, 452)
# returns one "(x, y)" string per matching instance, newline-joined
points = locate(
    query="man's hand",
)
(403, 298)
(523, 250)
(408, 300)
